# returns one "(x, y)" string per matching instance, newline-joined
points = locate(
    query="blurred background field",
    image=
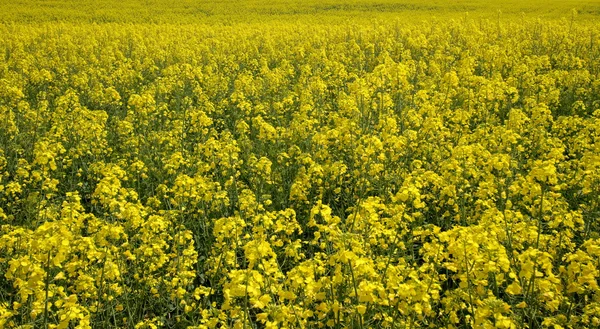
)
(232, 11)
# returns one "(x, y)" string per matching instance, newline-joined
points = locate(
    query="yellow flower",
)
(514, 288)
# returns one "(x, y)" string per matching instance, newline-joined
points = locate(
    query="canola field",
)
(299, 164)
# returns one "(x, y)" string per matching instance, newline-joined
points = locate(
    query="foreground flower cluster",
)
(387, 175)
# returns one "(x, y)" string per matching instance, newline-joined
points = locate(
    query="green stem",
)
(47, 288)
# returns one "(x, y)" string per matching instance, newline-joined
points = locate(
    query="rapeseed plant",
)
(282, 171)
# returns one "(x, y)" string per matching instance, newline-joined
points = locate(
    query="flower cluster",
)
(290, 175)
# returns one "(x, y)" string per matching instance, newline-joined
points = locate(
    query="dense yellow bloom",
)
(299, 164)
